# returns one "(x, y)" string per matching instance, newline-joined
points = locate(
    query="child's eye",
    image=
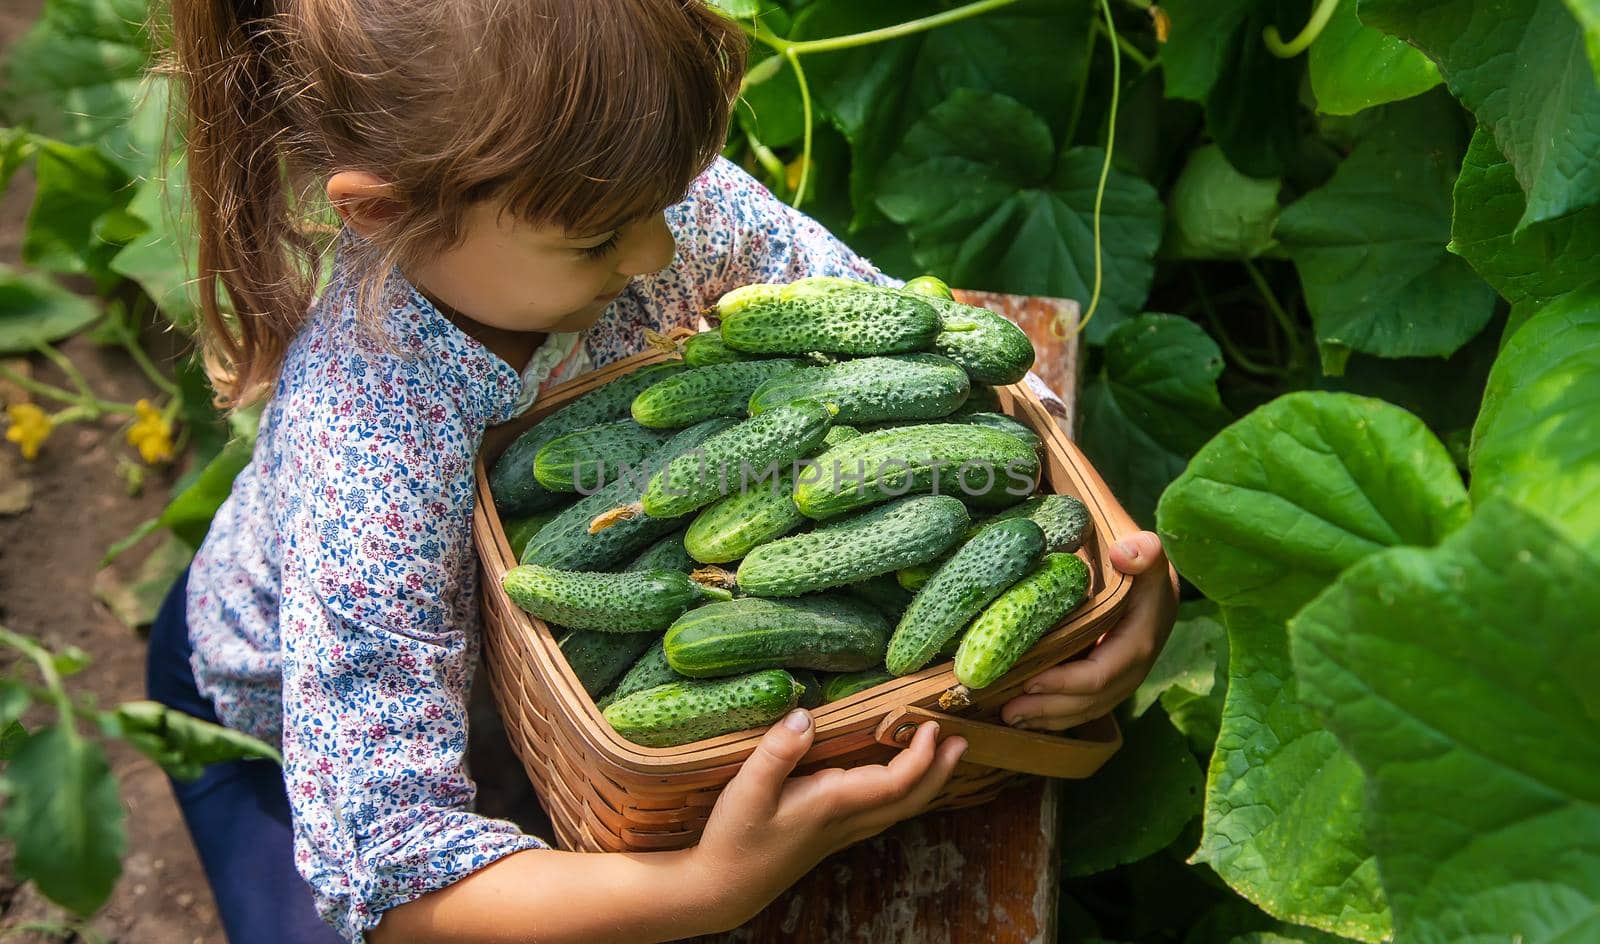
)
(601, 250)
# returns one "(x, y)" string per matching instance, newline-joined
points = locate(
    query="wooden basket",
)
(607, 794)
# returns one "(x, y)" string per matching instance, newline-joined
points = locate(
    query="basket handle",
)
(1007, 748)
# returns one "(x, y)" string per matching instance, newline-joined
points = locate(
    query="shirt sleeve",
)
(379, 627)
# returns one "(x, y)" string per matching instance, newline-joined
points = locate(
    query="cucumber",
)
(519, 531)
(982, 466)
(707, 347)
(814, 315)
(874, 542)
(884, 593)
(974, 575)
(983, 399)
(647, 671)
(681, 712)
(988, 347)
(665, 554)
(752, 448)
(511, 480)
(1065, 519)
(1019, 617)
(829, 632)
(930, 286)
(703, 392)
(845, 684)
(914, 578)
(586, 460)
(873, 389)
(811, 697)
(1001, 423)
(566, 543)
(729, 527)
(598, 659)
(615, 603)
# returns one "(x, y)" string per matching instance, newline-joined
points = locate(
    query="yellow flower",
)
(151, 434)
(791, 172)
(30, 427)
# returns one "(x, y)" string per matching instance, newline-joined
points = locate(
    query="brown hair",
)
(578, 113)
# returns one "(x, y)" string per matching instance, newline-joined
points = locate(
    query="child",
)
(524, 188)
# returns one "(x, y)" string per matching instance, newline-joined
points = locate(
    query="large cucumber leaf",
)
(1354, 67)
(1154, 403)
(1537, 263)
(1537, 439)
(1462, 678)
(1522, 69)
(989, 206)
(1370, 245)
(1588, 14)
(34, 310)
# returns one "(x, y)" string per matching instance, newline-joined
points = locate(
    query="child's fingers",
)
(760, 780)
(946, 756)
(868, 787)
(1041, 710)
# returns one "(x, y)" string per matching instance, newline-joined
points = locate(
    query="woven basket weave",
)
(607, 794)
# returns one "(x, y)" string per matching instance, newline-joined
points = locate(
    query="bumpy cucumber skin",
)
(1019, 617)
(972, 577)
(845, 684)
(873, 389)
(776, 438)
(911, 459)
(884, 593)
(1065, 519)
(566, 544)
(647, 671)
(585, 460)
(1000, 423)
(666, 554)
(800, 318)
(519, 531)
(811, 697)
(511, 481)
(598, 659)
(874, 542)
(991, 349)
(707, 348)
(634, 602)
(703, 392)
(682, 712)
(830, 633)
(983, 399)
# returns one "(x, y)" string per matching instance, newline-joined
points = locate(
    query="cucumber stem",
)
(656, 340)
(606, 519)
(712, 576)
(955, 698)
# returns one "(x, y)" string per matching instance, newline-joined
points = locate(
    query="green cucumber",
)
(1065, 519)
(666, 554)
(983, 399)
(566, 542)
(974, 575)
(1019, 617)
(884, 593)
(990, 348)
(845, 684)
(615, 603)
(681, 712)
(1001, 423)
(707, 348)
(703, 392)
(812, 315)
(519, 531)
(511, 479)
(982, 466)
(930, 286)
(812, 696)
(873, 389)
(752, 448)
(874, 542)
(598, 659)
(585, 460)
(647, 671)
(830, 632)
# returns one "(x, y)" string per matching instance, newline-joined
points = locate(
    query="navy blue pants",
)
(237, 812)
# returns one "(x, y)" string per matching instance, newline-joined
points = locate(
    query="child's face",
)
(516, 276)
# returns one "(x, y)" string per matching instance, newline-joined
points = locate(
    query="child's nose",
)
(649, 248)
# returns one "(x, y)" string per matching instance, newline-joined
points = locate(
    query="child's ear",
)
(365, 202)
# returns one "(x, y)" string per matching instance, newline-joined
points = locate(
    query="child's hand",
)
(1084, 689)
(767, 830)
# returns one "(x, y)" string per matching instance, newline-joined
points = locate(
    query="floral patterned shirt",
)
(333, 606)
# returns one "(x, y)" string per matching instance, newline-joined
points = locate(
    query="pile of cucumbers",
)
(818, 497)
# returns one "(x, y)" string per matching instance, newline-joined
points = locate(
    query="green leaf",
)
(183, 745)
(70, 661)
(1521, 68)
(76, 186)
(12, 737)
(1370, 245)
(64, 819)
(1189, 660)
(1587, 13)
(1537, 263)
(1136, 804)
(1154, 403)
(1215, 212)
(34, 310)
(163, 259)
(1199, 41)
(974, 184)
(136, 602)
(1537, 440)
(1354, 67)
(189, 514)
(1462, 679)
(739, 8)
(1282, 501)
